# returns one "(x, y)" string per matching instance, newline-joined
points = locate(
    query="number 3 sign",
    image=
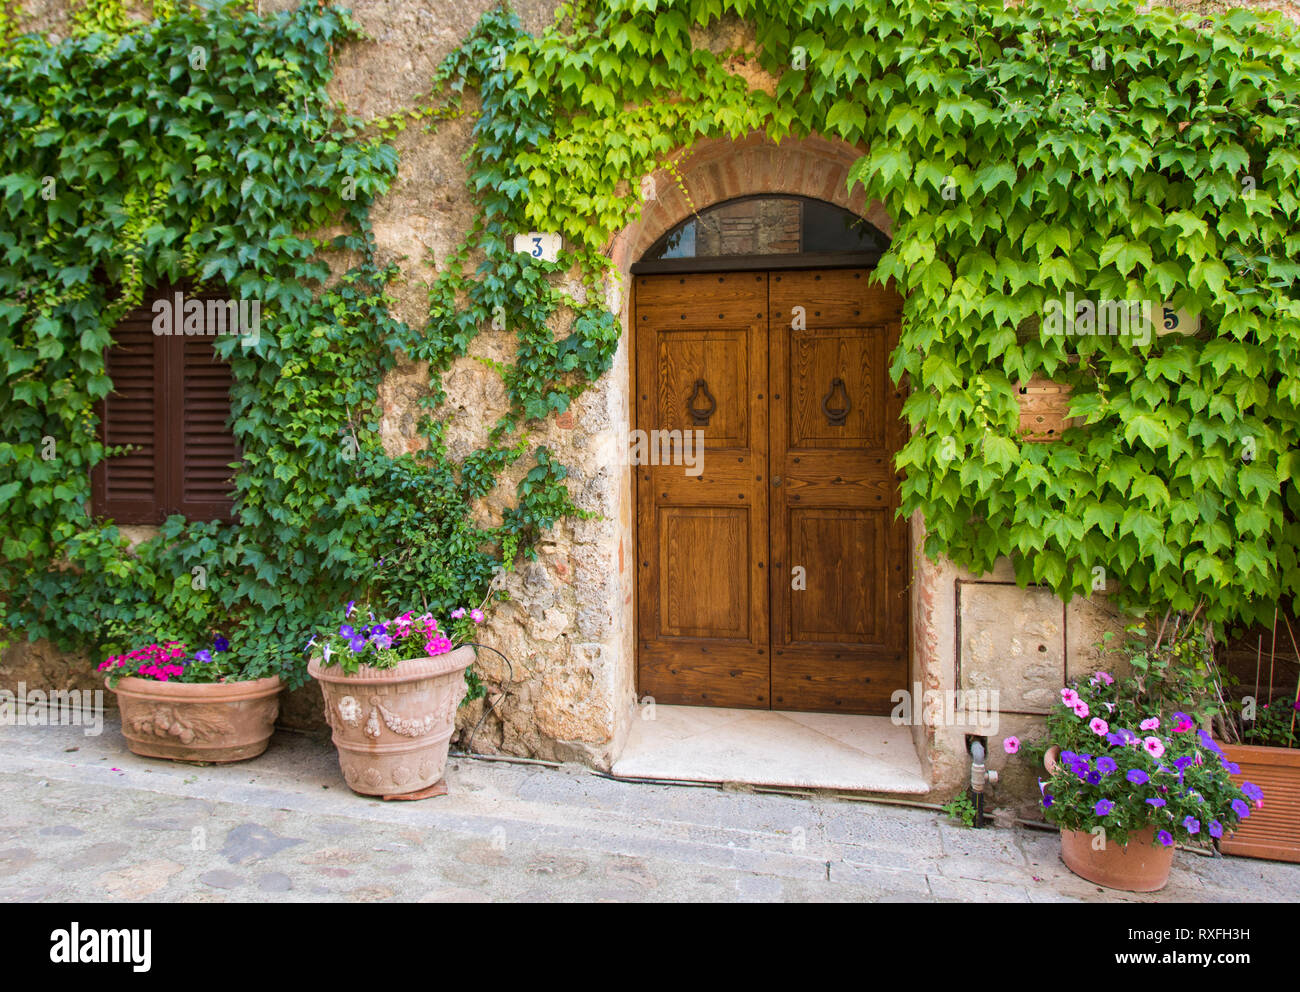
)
(545, 247)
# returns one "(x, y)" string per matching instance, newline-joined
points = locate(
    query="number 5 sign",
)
(545, 247)
(1171, 320)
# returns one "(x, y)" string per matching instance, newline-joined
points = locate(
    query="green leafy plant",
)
(961, 809)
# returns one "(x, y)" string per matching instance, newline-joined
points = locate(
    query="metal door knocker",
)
(836, 415)
(701, 416)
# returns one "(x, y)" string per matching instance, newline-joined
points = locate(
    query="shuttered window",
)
(171, 402)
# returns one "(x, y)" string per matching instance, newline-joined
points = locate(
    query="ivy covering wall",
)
(1024, 153)
(203, 145)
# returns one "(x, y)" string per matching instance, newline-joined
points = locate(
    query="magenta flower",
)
(1069, 697)
(1011, 745)
(1182, 723)
(476, 615)
(1105, 678)
(1153, 746)
(1099, 726)
(1081, 710)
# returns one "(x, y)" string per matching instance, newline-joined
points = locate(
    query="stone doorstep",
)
(773, 750)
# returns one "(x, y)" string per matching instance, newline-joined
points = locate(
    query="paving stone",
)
(252, 842)
(483, 853)
(220, 878)
(62, 830)
(274, 881)
(969, 890)
(454, 895)
(16, 858)
(97, 854)
(139, 881)
(370, 893)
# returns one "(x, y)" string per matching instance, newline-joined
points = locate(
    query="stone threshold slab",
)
(772, 748)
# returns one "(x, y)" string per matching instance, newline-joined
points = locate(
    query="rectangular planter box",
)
(1274, 831)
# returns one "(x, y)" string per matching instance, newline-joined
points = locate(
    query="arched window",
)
(767, 232)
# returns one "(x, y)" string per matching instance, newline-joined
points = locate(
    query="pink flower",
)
(1011, 745)
(476, 615)
(1069, 697)
(1081, 710)
(1105, 678)
(1099, 726)
(1150, 723)
(456, 614)
(1153, 746)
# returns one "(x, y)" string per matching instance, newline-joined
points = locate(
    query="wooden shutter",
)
(171, 398)
(199, 401)
(126, 487)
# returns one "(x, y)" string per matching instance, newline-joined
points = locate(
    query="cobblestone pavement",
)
(83, 819)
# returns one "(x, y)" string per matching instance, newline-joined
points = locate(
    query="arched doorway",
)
(772, 571)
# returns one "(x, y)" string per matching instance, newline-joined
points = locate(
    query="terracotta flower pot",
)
(188, 721)
(1140, 865)
(392, 726)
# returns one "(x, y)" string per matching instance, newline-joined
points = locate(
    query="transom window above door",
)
(766, 232)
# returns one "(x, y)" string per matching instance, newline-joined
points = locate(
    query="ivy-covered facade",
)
(429, 415)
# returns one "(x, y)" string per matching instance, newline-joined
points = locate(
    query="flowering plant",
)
(1276, 724)
(1125, 765)
(360, 638)
(172, 662)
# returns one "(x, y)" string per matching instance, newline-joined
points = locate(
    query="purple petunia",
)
(358, 644)
(1216, 828)
(220, 644)
(383, 641)
(1192, 824)
(1137, 776)
(1103, 807)
(1230, 767)
(1252, 791)
(1106, 765)
(1093, 778)
(351, 603)
(203, 656)
(1157, 803)
(1047, 799)
(346, 630)
(1165, 837)
(1240, 808)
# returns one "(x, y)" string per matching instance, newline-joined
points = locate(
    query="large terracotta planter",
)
(209, 721)
(1272, 832)
(392, 726)
(1141, 865)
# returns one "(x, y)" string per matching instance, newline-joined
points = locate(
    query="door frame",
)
(716, 265)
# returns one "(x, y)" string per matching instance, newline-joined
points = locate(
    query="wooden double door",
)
(772, 570)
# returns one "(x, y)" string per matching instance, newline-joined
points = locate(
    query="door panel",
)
(840, 643)
(703, 629)
(800, 423)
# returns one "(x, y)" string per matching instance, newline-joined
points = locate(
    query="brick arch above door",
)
(714, 170)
